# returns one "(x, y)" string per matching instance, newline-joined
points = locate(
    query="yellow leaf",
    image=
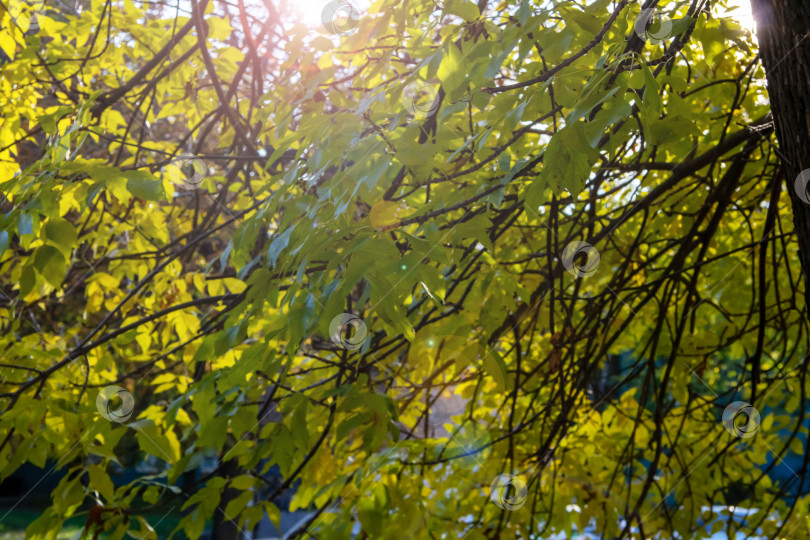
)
(7, 44)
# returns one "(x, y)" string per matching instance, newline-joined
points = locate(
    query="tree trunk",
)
(224, 528)
(783, 31)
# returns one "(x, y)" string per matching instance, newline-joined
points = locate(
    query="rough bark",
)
(783, 31)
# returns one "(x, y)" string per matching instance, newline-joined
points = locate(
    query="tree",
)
(488, 269)
(783, 30)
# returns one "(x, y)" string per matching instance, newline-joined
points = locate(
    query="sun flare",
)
(740, 12)
(332, 16)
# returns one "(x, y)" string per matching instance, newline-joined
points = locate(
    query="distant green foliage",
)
(193, 201)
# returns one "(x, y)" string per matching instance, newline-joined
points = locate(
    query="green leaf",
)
(144, 185)
(203, 401)
(278, 244)
(464, 9)
(586, 21)
(61, 233)
(210, 434)
(28, 280)
(524, 11)
(346, 426)
(496, 368)
(50, 263)
(679, 26)
(49, 121)
(100, 481)
(25, 223)
(235, 506)
(370, 511)
(163, 446)
(651, 101)
(3, 241)
(273, 513)
(452, 72)
(299, 425)
(504, 161)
